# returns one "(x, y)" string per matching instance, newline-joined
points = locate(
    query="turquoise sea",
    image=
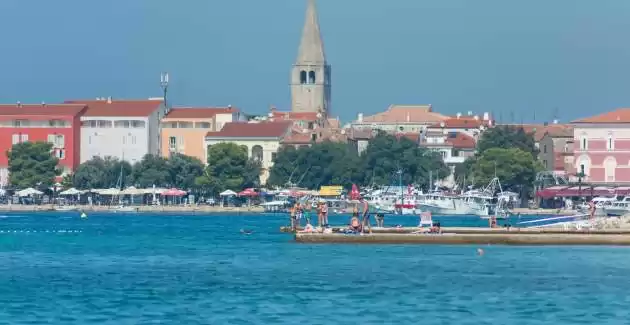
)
(168, 269)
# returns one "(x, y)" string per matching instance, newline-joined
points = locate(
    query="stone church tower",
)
(310, 76)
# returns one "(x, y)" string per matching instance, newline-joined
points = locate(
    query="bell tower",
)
(310, 76)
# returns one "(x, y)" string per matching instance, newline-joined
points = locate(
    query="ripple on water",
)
(142, 269)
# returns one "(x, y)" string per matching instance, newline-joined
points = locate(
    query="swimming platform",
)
(524, 238)
(484, 230)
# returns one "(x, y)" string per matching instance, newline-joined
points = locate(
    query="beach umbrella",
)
(248, 192)
(71, 191)
(174, 192)
(28, 192)
(227, 193)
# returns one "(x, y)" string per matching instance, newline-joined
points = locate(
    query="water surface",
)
(159, 269)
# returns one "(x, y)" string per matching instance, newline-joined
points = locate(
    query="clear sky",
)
(513, 58)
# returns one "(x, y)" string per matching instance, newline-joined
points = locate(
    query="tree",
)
(152, 170)
(227, 163)
(251, 175)
(515, 168)
(323, 163)
(31, 164)
(387, 154)
(464, 171)
(183, 170)
(507, 137)
(102, 173)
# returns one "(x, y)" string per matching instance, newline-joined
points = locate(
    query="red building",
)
(58, 124)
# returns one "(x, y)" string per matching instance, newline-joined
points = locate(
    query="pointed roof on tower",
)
(311, 49)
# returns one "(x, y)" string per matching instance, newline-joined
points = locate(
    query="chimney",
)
(44, 104)
(476, 117)
(555, 121)
(19, 104)
(229, 106)
(469, 113)
(109, 100)
(360, 117)
(486, 116)
(430, 108)
(459, 115)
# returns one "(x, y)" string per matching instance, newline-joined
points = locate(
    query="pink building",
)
(602, 147)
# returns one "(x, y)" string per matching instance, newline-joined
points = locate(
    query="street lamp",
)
(164, 86)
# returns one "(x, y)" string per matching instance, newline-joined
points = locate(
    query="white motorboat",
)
(617, 208)
(124, 208)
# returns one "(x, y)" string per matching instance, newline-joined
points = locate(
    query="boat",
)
(276, 206)
(573, 221)
(603, 205)
(618, 208)
(124, 208)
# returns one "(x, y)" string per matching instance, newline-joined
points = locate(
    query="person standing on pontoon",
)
(591, 209)
(365, 206)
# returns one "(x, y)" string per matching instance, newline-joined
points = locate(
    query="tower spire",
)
(311, 49)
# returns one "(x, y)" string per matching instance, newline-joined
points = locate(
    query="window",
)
(15, 139)
(20, 123)
(122, 124)
(24, 138)
(545, 150)
(104, 124)
(203, 125)
(610, 145)
(51, 138)
(582, 168)
(545, 163)
(185, 125)
(138, 124)
(172, 142)
(583, 144)
(273, 156)
(133, 139)
(60, 153)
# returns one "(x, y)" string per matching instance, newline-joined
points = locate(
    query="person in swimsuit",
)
(355, 224)
(366, 214)
(324, 214)
(592, 208)
(298, 213)
(380, 220)
(307, 212)
(292, 212)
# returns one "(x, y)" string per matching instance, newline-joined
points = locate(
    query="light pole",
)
(164, 86)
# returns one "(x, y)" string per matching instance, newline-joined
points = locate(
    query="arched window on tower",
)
(311, 77)
(302, 77)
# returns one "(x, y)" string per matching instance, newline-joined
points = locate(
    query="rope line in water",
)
(23, 231)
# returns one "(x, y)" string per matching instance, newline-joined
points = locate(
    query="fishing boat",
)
(577, 220)
(619, 208)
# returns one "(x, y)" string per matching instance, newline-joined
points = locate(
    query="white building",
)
(124, 129)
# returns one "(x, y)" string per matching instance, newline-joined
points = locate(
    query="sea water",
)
(169, 269)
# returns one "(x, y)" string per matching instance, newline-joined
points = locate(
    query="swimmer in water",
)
(246, 232)
(480, 251)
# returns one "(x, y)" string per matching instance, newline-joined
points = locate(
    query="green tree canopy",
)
(152, 170)
(323, 163)
(31, 164)
(507, 137)
(386, 154)
(227, 168)
(515, 168)
(102, 173)
(183, 170)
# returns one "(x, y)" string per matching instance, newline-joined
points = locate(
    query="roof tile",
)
(253, 130)
(406, 114)
(198, 112)
(41, 109)
(102, 107)
(621, 115)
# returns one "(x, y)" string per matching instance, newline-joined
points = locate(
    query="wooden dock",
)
(513, 238)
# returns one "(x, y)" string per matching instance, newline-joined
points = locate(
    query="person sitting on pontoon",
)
(355, 224)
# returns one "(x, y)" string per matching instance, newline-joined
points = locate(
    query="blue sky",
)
(513, 58)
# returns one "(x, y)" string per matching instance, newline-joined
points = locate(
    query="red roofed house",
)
(124, 129)
(184, 129)
(470, 125)
(56, 123)
(263, 140)
(454, 147)
(602, 147)
(400, 118)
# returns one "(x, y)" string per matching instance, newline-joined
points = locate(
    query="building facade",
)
(311, 73)
(184, 129)
(58, 124)
(602, 147)
(122, 129)
(263, 140)
(400, 118)
(556, 149)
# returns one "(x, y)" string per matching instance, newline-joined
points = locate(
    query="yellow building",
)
(184, 129)
(263, 140)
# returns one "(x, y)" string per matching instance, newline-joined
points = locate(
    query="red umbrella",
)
(174, 192)
(354, 193)
(248, 192)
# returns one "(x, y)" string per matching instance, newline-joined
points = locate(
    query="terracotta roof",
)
(415, 137)
(103, 107)
(406, 114)
(539, 130)
(301, 116)
(41, 109)
(198, 112)
(461, 123)
(461, 140)
(297, 138)
(621, 115)
(252, 130)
